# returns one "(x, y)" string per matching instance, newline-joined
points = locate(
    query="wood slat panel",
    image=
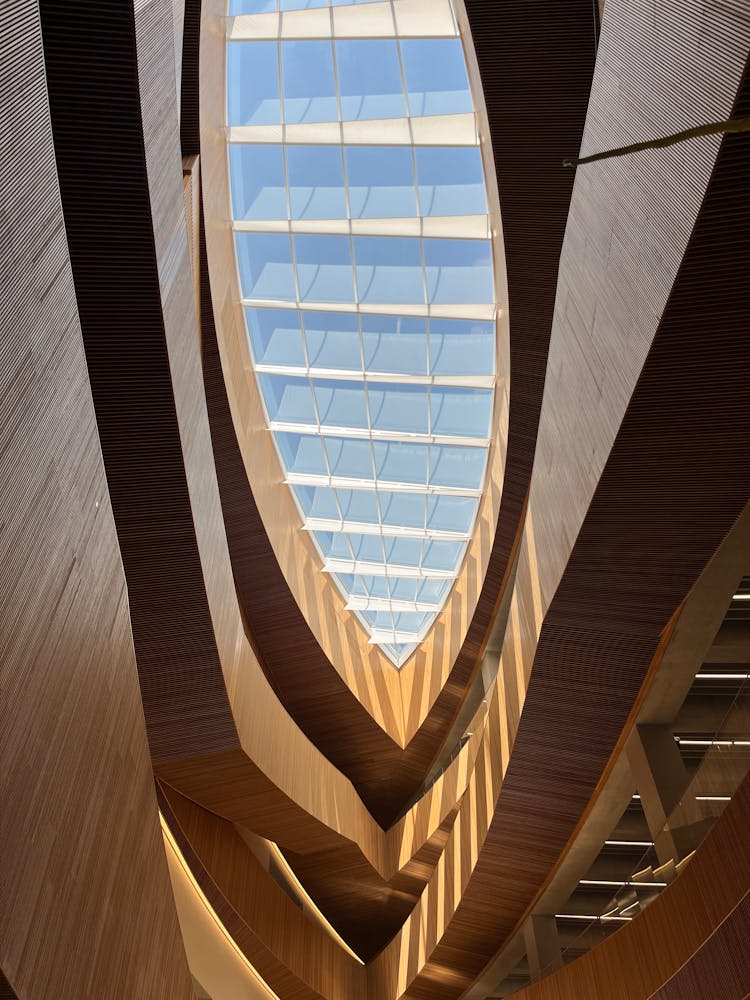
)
(86, 906)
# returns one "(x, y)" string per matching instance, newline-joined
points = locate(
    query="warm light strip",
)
(586, 916)
(713, 798)
(741, 597)
(628, 843)
(712, 743)
(290, 874)
(722, 677)
(212, 913)
(607, 883)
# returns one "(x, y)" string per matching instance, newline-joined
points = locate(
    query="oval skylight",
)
(363, 248)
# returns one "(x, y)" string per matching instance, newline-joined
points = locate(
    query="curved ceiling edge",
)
(398, 701)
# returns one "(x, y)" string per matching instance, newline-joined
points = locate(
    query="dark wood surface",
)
(87, 909)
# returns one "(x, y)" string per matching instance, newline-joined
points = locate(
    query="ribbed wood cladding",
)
(296, 957)
(689, 944)
(676, 478)
(535, 196)
(536, 61)
(105, 192)
(87, 910)
(6, 990)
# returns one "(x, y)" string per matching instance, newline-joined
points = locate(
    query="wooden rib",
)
(86, 904)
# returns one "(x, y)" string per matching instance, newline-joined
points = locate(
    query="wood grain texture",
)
(691, 941)
(349, 714)
(297, 958)
(86, 904)
(621, 521)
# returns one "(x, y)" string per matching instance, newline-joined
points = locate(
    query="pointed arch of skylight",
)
(365, 262)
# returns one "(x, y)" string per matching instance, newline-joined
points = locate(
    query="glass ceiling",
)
(363, 251)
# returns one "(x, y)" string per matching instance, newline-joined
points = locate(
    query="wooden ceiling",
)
(592, 598)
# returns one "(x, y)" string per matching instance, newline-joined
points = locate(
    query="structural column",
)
(661, 779)
(542, 941)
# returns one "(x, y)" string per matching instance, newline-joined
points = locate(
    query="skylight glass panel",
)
(395, 344)
(349, 458)
(376, 374)
(403, 551)
(446, 513)
(389, 269)
(403, 588)
(451, 181)
(302, 453)
(316, 182)
(324, 268)
(275, 336)
(436, 78)
(399, 408)
(288, 400)
(459, 271)
(401, 462)
(265, 265)
(333, 340)
(406, 510)
(461, 347)
(370, 79)
(381, 182)
(455, 466)
(258, 189)
(410, 622)
(433, 591)
(441, 555)
(341, 404)
(460, 412)
(252, 6)
(359, 505)
(253, 83)
(317, 502)
(308, 81)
